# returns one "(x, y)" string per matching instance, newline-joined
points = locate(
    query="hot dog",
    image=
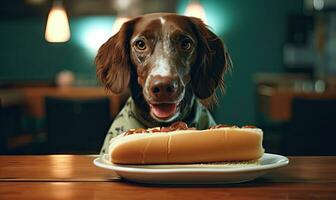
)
(179, 144)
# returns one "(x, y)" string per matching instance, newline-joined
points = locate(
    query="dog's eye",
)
(140, 45)
(186, 44)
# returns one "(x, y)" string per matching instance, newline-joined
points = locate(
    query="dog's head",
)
(167, 55)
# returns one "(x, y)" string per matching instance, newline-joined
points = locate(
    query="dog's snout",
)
(163, 88)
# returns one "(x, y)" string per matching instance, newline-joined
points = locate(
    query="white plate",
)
(194, 173)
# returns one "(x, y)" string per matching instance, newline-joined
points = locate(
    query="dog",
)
(169, 63)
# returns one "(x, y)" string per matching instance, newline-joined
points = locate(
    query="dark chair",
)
(10, 126)
(76, 126)
(312, 128)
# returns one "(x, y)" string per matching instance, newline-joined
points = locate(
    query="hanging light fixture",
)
(195, 9)
(57, 29)
(123, 7)
(119, 21)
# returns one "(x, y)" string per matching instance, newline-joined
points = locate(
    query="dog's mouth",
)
(163, 111)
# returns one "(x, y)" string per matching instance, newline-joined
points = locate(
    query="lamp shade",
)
(57, 29)
(195, 9)
(118, 23)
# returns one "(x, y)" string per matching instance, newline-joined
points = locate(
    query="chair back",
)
(312, 129)
(76, 125)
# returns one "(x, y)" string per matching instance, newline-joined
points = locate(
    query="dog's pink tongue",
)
(163, 110)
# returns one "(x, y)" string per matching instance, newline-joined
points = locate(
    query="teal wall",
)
(26, 55)
(253, 31)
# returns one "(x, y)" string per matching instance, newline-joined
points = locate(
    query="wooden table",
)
(276, 91)
(35, 96)
(276, 103)
(75, 177)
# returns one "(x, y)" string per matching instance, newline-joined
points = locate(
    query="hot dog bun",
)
(188, 146)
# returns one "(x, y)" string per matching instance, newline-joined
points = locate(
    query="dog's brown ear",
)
(211, 63)
(113, 60)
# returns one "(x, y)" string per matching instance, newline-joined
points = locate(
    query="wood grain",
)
(80, 167)
(52, 168)
(121, 190)
(75, 177)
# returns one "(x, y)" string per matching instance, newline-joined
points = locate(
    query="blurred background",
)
(283, 77)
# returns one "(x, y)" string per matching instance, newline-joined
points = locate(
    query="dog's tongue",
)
(163, 110)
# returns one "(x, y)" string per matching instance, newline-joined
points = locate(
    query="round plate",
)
(195, 173)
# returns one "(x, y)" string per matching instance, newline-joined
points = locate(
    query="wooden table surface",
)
(75, 177)
(276, 103)
(33, 98)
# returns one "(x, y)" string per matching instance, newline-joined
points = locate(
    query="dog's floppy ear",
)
(211, 63)
(113, 60)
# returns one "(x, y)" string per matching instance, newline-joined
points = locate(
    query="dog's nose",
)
(163, 88)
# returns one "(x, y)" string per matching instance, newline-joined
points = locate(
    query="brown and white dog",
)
(167, 61)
